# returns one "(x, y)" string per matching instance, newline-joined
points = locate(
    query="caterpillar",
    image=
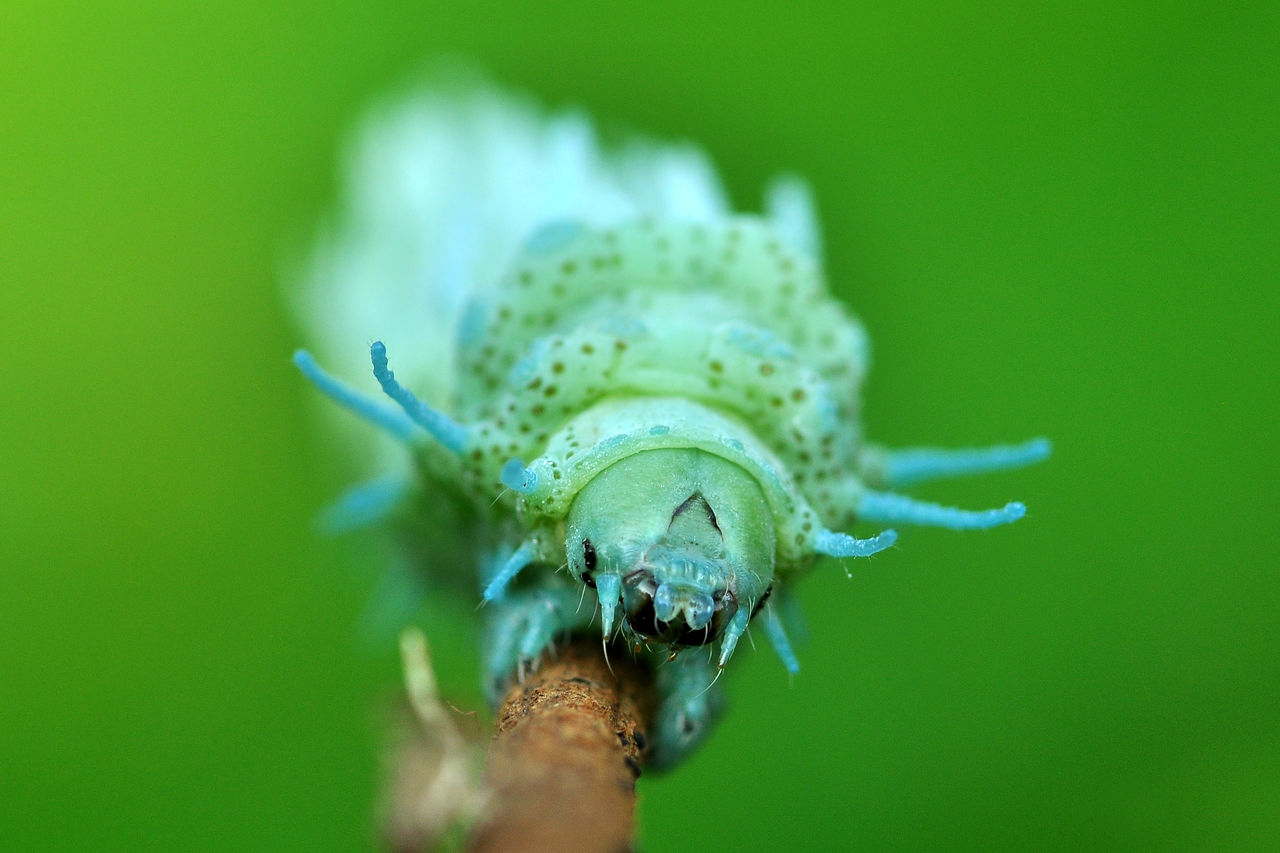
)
(637, 411)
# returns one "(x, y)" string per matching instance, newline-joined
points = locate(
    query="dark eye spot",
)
(589, 554)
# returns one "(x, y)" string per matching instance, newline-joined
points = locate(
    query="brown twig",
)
(569, 746)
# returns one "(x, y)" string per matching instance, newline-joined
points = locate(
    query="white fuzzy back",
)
(440, 189)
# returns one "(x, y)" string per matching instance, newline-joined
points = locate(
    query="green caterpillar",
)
(654, 403)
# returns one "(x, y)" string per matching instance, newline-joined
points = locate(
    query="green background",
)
(1054, 220)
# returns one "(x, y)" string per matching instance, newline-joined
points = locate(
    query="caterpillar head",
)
(677, 542)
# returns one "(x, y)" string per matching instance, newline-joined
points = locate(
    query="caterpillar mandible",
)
(606, 384)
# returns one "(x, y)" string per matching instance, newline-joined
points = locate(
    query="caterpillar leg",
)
(503, 571)
(777, 632)
(523, 625)
(691, 703)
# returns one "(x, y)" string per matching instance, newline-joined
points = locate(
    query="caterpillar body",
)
(650, 402)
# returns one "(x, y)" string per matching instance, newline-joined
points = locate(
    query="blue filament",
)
(917, 464)
(364, 504)
(890, 507)
(396, 423)
(450, 434)
(518, 478)
(835, 544)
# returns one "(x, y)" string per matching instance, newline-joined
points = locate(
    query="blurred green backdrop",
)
(1054, 220)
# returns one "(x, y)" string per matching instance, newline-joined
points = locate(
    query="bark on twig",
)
(569, 745)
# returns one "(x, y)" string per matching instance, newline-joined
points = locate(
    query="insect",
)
(647, 423)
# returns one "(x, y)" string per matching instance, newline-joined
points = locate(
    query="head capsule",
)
(681, 539)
